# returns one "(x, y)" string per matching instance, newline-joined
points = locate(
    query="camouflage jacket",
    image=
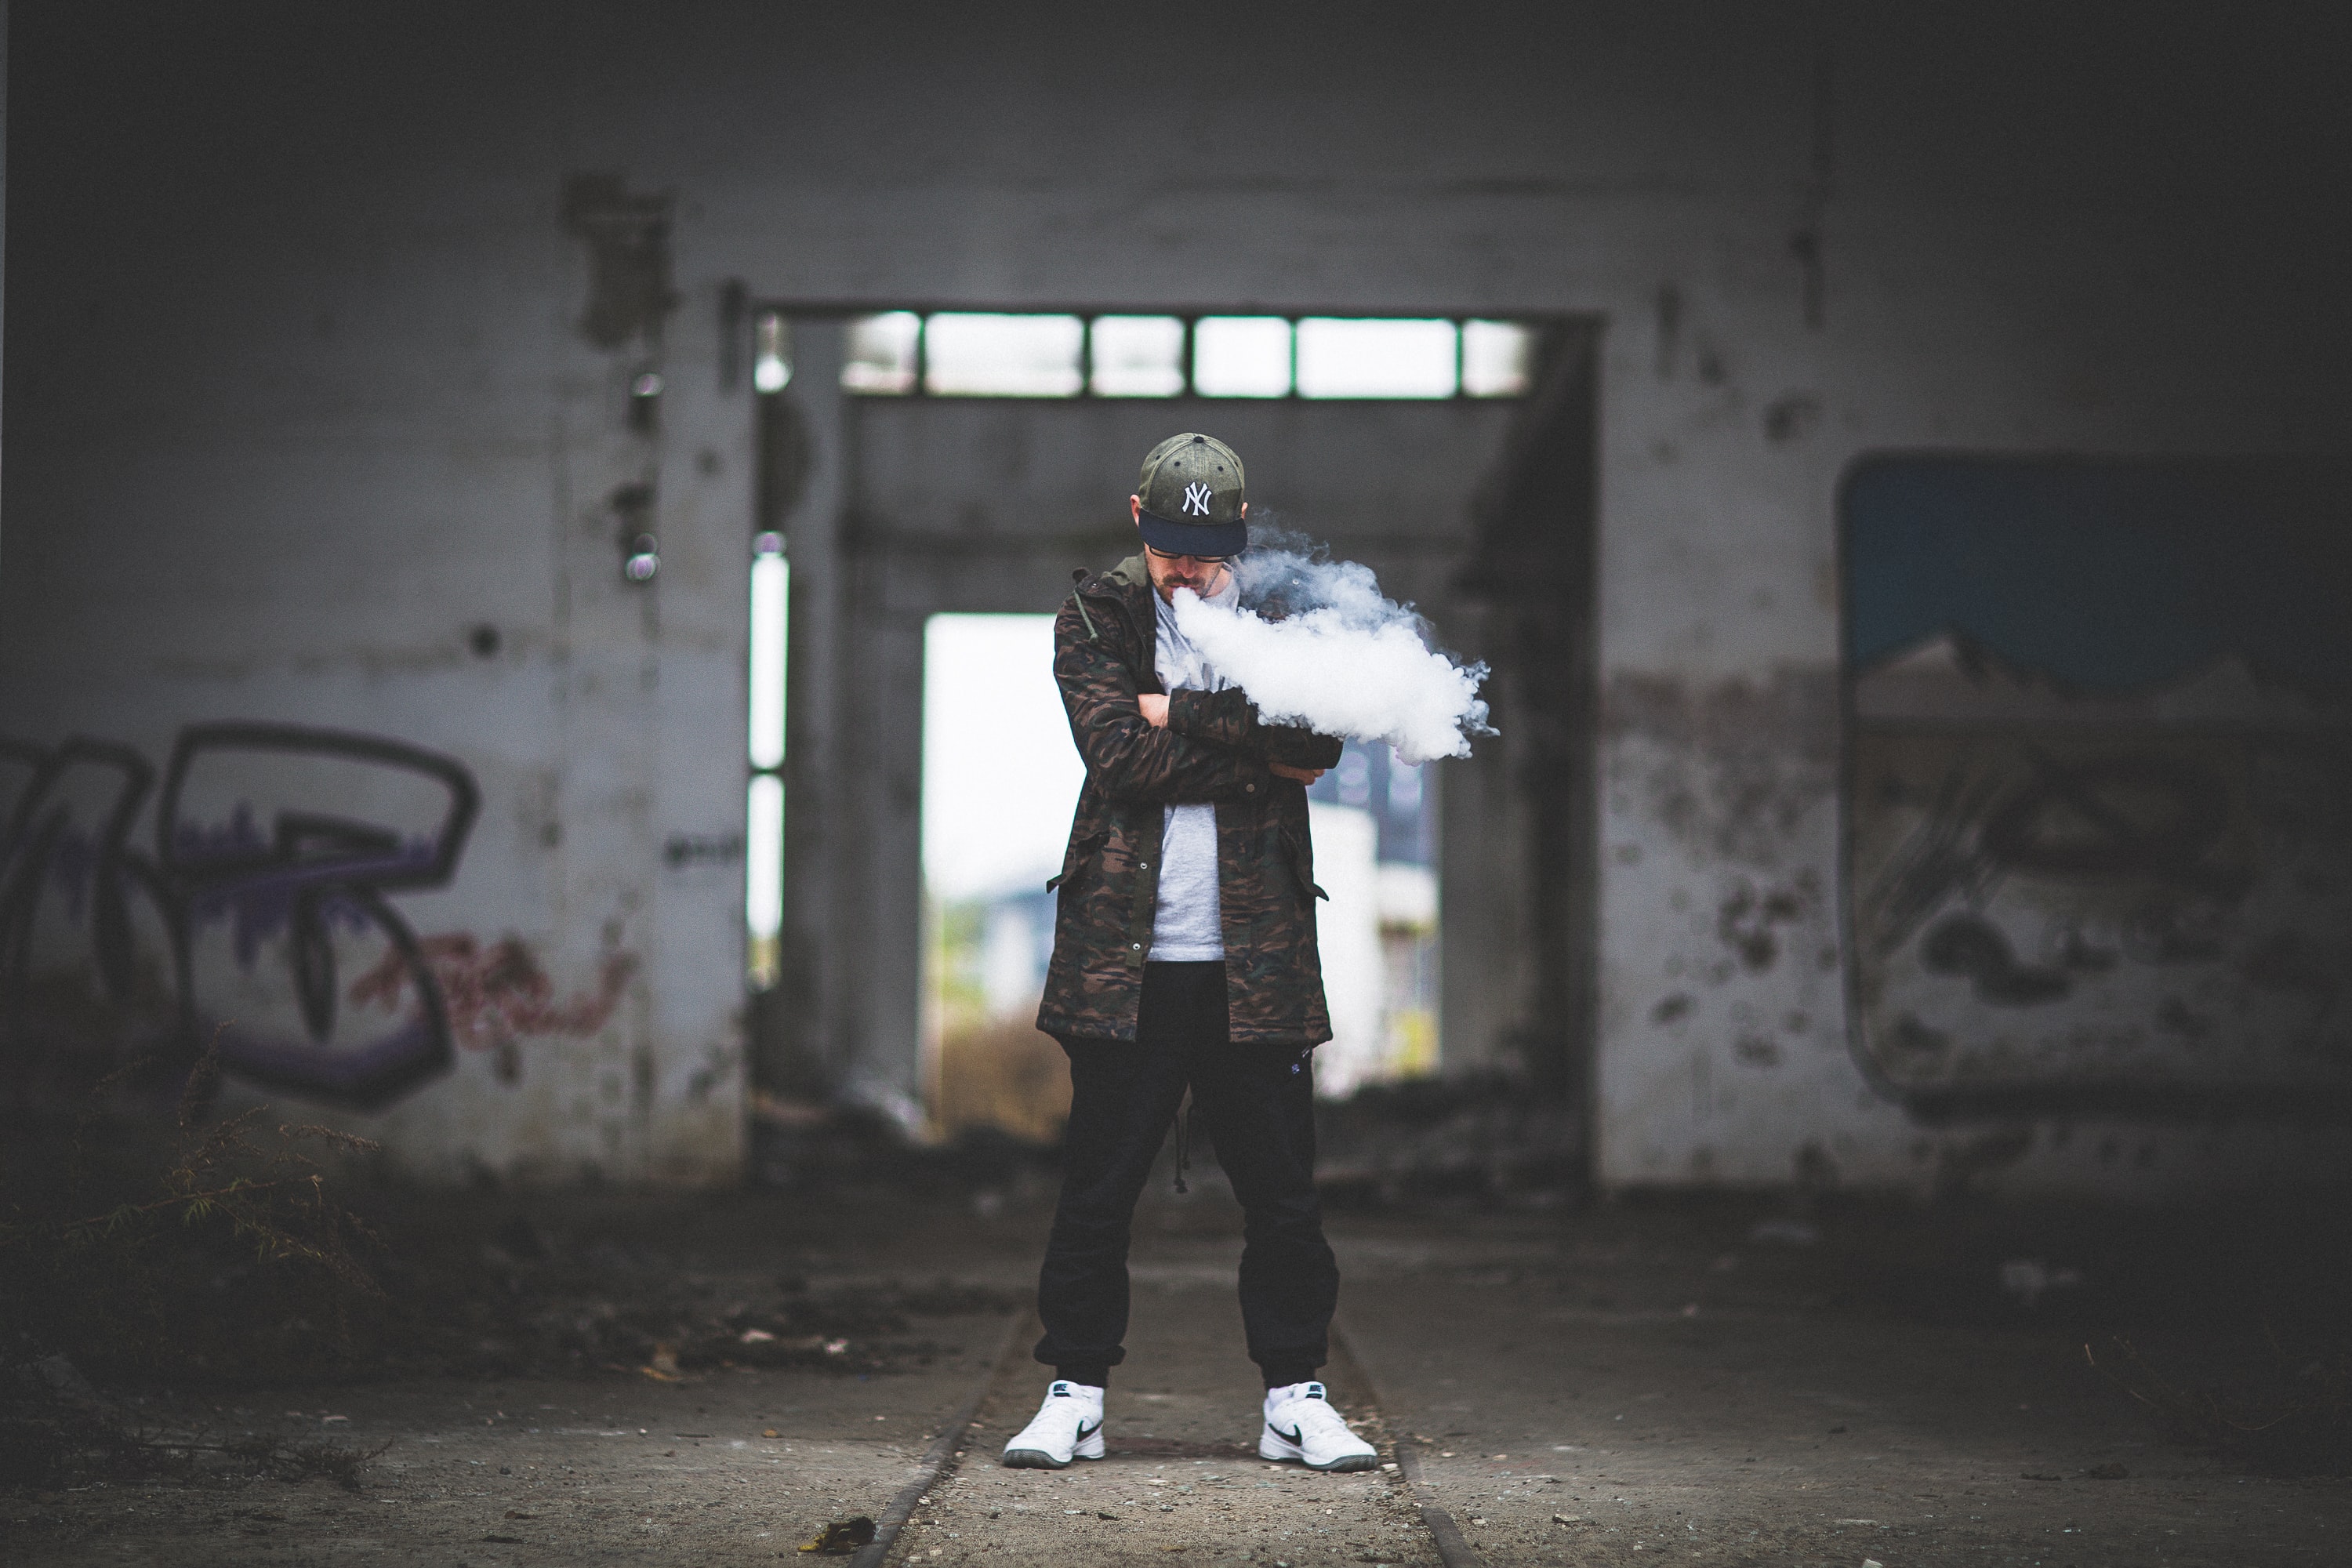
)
(1213, 750)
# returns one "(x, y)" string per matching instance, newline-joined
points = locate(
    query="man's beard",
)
(1208, 585)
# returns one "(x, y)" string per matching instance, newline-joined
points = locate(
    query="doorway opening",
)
(1374, 819)
(952, 464)
(1000, 782)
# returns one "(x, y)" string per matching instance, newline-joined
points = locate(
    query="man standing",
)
(1184, 957)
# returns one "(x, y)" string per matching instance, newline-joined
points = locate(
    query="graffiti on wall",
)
(2098, 787)
(275, 933)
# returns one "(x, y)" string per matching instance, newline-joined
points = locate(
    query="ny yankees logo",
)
(1196, 499)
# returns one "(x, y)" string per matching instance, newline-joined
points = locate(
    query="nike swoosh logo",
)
(1296, 1436)
(1085, 1432)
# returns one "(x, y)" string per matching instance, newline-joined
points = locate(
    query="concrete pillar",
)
(844, 1018)
(880, 901)
(808, 1002)
(697, 768)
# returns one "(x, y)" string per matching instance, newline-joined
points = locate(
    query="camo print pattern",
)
(1215, 749)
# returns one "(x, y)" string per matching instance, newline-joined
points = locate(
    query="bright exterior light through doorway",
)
(1375, 826)
(1001, 780)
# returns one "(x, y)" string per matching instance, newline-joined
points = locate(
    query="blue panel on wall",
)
(2104, 576)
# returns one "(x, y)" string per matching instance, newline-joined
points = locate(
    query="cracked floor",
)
(1603, 1385)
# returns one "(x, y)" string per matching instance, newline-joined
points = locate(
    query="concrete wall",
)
(312, 433)
(297, 395)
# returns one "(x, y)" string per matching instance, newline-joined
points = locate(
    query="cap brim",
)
(1194, 538)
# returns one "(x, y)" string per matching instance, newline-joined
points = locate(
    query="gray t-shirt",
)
(1186, 926)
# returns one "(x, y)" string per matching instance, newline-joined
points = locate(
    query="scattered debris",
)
(842, 1537)
(132, 1244)
(1490, 1137)
(61, 1376)
(51, 1440)
(2293, 1417)
(176, 1245)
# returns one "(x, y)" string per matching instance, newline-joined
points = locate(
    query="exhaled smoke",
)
(1315, 642)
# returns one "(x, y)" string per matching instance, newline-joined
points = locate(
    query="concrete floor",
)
(1620, 1384)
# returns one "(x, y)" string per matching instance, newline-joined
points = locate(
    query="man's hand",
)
(1155, 714)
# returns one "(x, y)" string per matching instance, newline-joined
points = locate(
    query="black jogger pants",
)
(1256, 1103)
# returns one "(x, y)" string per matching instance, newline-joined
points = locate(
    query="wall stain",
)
(1733, 769)
(1786, 418)
(628, 237)
(1745, 918)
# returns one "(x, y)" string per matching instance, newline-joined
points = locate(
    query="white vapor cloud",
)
(1314, 642)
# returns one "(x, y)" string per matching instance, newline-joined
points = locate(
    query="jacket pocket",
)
(1074, 859)
(1302, 868)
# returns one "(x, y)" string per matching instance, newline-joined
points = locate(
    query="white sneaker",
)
(1301, 1425)
(1067, 1426)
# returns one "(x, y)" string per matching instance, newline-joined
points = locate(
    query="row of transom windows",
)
(965, 353)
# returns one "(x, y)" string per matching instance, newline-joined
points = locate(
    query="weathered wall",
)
(297, 397)
(2012, 268)
(316, 430)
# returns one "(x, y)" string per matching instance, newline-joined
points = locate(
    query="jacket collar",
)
(1129, 583)
(1130, 574)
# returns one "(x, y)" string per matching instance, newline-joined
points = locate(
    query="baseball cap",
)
(1191, 492)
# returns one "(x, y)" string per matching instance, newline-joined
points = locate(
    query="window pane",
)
(1002, 356)
(771, 359)
(763, 882)
(770, 597)
(1375, 358)
(1495, 359)
(881, 352)
(1138, 356)
(1241, 356)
